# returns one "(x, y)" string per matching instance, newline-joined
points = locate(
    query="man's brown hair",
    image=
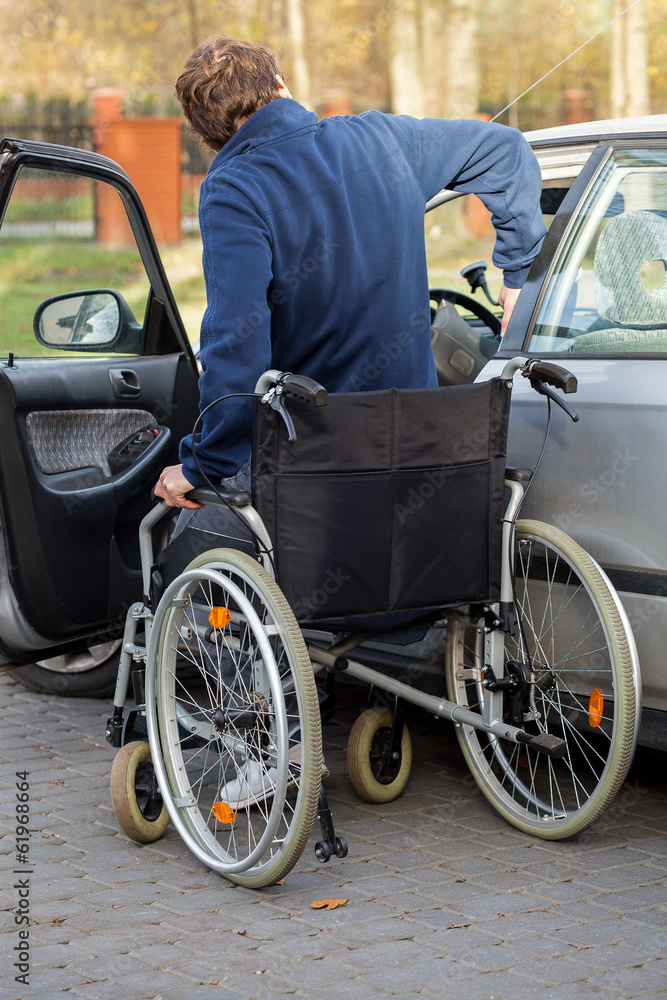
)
(224, 81)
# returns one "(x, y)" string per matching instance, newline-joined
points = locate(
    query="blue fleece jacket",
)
(314, 254)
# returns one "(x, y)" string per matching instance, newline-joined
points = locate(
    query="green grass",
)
(52, 209)
(32, 272)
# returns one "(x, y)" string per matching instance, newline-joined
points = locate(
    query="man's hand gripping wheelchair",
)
(543, 690)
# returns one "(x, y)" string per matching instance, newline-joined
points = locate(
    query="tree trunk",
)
(629, 62)
(463, 63)
(618, 78)
(637, 62)
(435, 57)
(406, 59)
(512, 76)
(296, 28)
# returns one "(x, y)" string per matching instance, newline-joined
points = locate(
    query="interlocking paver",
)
(597, 932)
(121, 986)
(634, 981)
(217, 992)
(445, 899)
(482, 987)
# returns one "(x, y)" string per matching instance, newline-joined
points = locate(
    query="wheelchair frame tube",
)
(439, 707)
(252, 518)
(146, 542)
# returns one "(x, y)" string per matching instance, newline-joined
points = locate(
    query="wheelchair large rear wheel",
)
(233, 718)
(575, 676)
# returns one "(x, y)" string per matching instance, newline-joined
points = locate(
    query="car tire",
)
(89, 673)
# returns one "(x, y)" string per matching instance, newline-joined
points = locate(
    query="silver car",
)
(596, 301)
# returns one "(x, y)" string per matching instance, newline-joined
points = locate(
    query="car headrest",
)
(627, 242)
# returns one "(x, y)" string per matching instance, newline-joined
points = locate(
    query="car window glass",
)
(63, 233)
(608, 290)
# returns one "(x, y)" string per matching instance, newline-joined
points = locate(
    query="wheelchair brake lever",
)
(545, 390)
(276, 400)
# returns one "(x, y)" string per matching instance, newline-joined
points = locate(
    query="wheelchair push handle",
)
(543, 374)
(547, 371)
(274, 382)
(304, 388)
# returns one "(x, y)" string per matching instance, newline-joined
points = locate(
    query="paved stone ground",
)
(445, 899)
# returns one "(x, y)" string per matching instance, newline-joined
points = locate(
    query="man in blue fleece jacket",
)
(313, 236)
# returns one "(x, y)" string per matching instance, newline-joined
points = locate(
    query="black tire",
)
(70, 676)
(576, 655)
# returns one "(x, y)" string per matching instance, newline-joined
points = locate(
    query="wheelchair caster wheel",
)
(137, 803)
(340, 847)
(375, 779)
(322, 851)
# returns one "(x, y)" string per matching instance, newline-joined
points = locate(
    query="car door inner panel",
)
(82, 471)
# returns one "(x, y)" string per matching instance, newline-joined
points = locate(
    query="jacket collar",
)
(280, 117)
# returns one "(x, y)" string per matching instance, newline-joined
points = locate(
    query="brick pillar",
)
(149, 150)
(337, 101)
(578, 105)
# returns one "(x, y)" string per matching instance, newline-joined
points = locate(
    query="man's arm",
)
(507, 300)
(235, 333)
(495, 163)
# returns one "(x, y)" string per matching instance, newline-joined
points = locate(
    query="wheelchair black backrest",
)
(387, 502)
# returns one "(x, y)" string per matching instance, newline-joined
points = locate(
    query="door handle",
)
(125, 383)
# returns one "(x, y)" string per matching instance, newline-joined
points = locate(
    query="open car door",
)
(98, 384)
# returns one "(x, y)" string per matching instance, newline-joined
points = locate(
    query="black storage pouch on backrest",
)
(388, 501)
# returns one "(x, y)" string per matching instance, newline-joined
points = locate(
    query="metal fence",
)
(55, 121)
(69, 124)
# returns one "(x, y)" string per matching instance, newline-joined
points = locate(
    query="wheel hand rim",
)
(176, 591)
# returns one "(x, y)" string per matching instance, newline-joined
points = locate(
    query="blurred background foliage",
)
(453, 58)
(436, 57)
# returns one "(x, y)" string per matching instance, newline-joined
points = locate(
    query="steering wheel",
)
(441, 295)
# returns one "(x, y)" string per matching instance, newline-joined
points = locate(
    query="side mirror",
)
(95, 320)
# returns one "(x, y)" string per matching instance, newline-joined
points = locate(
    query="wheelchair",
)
(540, 666)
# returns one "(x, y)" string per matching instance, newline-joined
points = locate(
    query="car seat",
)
(632, 316)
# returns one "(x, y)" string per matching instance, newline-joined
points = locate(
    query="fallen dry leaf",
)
(453, 927)
(329, 904)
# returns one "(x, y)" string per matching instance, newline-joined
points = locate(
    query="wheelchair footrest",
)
(552, 746)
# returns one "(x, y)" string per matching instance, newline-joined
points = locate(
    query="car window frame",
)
(524, 318)
(17, 153)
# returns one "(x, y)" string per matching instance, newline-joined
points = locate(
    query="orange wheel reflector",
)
(222, 812)
(219, 617)
(595, 707)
